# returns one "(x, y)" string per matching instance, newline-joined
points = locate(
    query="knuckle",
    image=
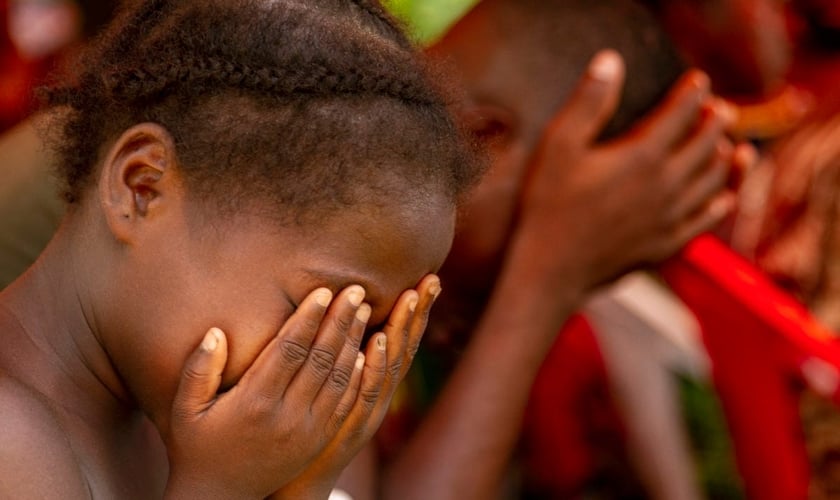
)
(646, 157)
(305, 328)
(342, 322)
(369, 396)
(181, 413)
(192, 375)
(293, 351)
(411, 350)
(358, 435)
(322, 360)
(394, 370)
(340, 377)
(669, 219)
(340, 415)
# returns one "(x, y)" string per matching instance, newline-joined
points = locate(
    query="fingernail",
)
(356, 295)
(435, 290)
(323, 296)
(727, 112)
(360, 361)
(381, 342)
(211, 340)
(363, 313)
(747, 156)
(701, 80)
(701, 83)
(605, 66)
(412, 303)
(721, 206)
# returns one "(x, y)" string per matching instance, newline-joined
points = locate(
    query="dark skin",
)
(557, 216)
(148, 303)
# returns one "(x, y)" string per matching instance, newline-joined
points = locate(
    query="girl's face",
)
(246, 275)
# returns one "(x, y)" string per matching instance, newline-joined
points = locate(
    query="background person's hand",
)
(292, 401)
(634, 200)
(799, 234)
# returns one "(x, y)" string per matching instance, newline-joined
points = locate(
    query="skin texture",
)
(558, 215)
(146, 305)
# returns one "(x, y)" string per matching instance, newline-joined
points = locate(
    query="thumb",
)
(202, 375)
(593, 102)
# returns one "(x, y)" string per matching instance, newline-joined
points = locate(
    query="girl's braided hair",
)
(309, 103)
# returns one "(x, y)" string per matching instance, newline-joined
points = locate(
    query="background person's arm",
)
(588, 214)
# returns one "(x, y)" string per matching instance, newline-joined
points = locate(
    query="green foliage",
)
(429, 19)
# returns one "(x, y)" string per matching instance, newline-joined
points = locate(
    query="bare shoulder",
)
(36, 459)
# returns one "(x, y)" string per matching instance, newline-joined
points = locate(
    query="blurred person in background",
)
(626, 193)
(36, 35)
(780, 62)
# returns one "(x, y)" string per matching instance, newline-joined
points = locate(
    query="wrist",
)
(548, 267)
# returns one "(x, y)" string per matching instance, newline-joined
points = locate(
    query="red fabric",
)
(572, 430)
(16, 77)
(757, 337)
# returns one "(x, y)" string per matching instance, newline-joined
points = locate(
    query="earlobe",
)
(136, 178)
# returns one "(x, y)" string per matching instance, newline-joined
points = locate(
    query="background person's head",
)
(223, 158)
(518, 61)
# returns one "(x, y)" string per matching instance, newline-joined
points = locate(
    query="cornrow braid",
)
(153, 80)
(307, 103)
(387, 22)
(135, 23)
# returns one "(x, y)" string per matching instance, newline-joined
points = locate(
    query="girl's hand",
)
(291, 403)
(388, 358)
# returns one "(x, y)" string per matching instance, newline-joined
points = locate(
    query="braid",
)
(152, 81)
(136, 21)
(384, 20)
(273, 87)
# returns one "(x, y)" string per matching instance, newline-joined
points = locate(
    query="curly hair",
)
(307, 103)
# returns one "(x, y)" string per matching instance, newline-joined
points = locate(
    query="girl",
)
(275, 173)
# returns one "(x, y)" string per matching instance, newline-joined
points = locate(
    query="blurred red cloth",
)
(17, 77)
(573, 437)
(758, 338)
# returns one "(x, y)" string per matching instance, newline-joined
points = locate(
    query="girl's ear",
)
(138, 179)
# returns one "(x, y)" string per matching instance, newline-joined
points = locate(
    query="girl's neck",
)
(51, 343)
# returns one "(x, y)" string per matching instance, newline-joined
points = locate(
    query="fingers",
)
(593, 102)
(342, 324)
(744, 160)
(704, 220)
(705, 186)
(348, 400)
(396, 331)
(340, 380)
(699, 148)
(669, 124)
(369, 409)
(201, 376)
(277, 365)
(428, 291)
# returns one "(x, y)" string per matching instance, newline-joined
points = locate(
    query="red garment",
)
(757, 337)
(573, 438)
(16, 77)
